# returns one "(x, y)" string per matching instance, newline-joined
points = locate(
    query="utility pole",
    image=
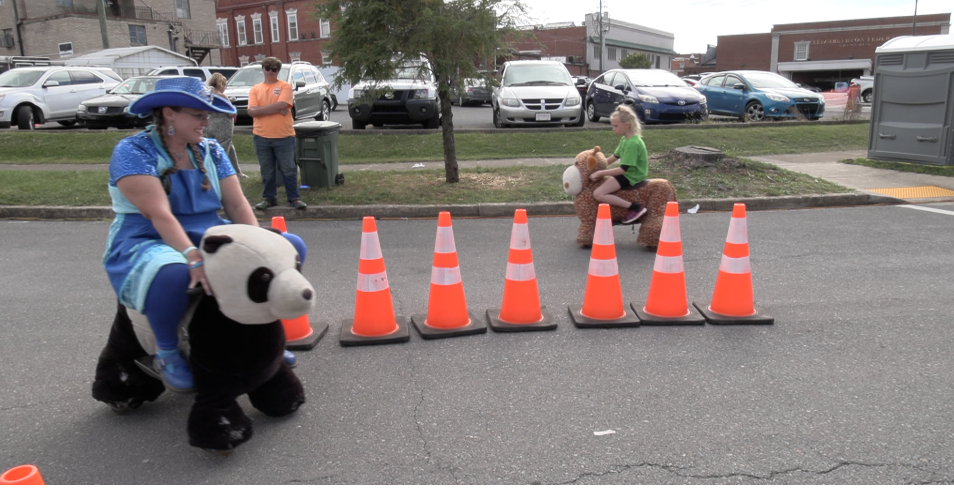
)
(101, 10)
(914, 26)
(604, 27)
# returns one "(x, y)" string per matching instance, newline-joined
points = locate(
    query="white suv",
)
(203, 72)
(536, 93)
(41, 94)
(410, 97)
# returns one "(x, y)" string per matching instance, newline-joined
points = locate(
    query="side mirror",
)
(51, 83)
(619, 87)
(299, 84)
(739, 86)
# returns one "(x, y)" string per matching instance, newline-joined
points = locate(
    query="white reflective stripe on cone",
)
(604, 232)
(670, 229)
(603, 267)
(738, 231)
(374, 282)
(445, 276)
(444, 244)
(736, 265)
(520, 237)
(370, 246)
(521, 272)
(668, 264)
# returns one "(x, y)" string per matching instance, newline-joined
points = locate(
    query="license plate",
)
(543, 117)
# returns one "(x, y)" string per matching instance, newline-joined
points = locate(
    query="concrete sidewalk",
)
(824, 165)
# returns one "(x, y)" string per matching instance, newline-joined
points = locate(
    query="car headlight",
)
(511, 102)
(572, 100)
(356, 93)
(702, 99)
(778, 97)
(648, 99)
(422, 94)
(81, 107)
(821, 99)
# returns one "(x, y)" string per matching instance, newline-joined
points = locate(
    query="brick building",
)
(59, 29)
(253, 30)
(821, 53)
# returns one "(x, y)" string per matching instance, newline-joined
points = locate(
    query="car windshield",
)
(537, 74)
(654, 79)
(20, 78)
(769, 81)
(413, 72)
(253, 75)
(135, 86)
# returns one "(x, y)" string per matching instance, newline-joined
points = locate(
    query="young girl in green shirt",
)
(633, 169)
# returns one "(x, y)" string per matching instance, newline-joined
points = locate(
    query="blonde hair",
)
(217, 80)
(626, 115)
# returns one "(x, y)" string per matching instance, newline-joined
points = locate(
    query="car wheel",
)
(866, 96)
(25, 118)
(358, 125)
(591, 112)
(334, 102)
(497, 122)
(754, 112)
(66, 123)
(325, 113)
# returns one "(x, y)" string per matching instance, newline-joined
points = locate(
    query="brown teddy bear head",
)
(576, 177)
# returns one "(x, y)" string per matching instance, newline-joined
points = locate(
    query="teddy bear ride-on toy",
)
(234, 339)
(654, 195)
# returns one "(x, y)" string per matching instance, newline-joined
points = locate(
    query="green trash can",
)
(317, 153)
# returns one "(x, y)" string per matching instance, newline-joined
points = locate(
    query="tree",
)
(374, 37)
(636, 60)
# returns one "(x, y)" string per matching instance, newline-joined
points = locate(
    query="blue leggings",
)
(167, 301)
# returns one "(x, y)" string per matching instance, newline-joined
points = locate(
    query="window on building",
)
(223, 26)
(597, 53)
(611, 53)
(292, 24)
(63, 3)
(7, 37)
(801, 51)
(325, 27)
(182, 9)
(295, 56)
(273, 26)
(240, 30)
(325, 57)
(137, 35)
(257, 30)
(622, 54)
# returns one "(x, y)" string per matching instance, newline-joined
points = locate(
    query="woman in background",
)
(221, 124)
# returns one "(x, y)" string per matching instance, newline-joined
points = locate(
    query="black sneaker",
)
(264, 204)
(635, 214)
(298, 204)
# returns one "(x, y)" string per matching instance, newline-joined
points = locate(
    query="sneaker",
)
(175, 371)
(290, 358)
(298, 204)
(264, 204)
(635, 214)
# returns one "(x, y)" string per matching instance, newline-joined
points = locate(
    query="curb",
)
(344, 212)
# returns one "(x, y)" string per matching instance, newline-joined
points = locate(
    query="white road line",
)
(928, 209)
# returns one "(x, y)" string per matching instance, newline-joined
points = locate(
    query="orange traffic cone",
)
(299, 334)
(521, 310)
(374, 321)
(732, 299)
(603, 301)
(667, 303)
(447, 314)
(22, 475)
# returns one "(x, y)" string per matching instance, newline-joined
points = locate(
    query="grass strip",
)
(523, 184)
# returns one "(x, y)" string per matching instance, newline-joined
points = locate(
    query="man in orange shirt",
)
(269, 105)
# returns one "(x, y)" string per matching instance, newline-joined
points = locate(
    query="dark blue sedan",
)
(657, 96)
(756, 95)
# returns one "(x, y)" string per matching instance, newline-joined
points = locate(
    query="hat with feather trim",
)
(185, 92)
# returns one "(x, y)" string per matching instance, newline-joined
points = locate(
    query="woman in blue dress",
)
(167, 185)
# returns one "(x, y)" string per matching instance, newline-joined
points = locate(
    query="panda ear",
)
(269, 228)
(212, 243)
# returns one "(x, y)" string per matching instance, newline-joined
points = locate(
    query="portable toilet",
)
(912, 113)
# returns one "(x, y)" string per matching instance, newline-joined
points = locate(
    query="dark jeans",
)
(277, 156)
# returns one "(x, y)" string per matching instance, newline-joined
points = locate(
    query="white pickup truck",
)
(867, 87)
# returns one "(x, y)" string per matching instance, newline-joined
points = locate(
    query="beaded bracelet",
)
(195, 264)
(188, 250)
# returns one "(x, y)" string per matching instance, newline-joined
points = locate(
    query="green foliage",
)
(636, 61)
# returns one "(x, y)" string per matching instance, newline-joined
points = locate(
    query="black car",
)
(109, 110)
(472, 91)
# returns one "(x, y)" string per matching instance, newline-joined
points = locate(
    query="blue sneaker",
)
(290, 358)
(174, 369)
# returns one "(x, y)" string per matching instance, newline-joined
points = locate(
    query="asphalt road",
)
(851, 385)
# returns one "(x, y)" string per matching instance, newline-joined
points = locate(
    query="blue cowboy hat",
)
(185, 92)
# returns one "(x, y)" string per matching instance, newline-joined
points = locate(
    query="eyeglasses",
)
(270, 68)
(202, 117)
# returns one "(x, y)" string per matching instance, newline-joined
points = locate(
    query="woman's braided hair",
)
(159, 121)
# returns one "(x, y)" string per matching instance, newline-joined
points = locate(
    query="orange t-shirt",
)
(275, 126)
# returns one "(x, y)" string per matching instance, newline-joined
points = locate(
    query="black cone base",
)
(498, 325)
(346, 338)
(717, 319)
(693, 318)
(318, 331)
(474, 327)
(584, 322)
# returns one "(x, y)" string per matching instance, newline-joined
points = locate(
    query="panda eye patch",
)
(258, 284)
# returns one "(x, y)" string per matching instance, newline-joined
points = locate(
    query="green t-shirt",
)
(633, 158)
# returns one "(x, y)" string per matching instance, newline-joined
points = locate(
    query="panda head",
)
(255, 274)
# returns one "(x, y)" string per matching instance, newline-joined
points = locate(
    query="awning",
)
(834, 65)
